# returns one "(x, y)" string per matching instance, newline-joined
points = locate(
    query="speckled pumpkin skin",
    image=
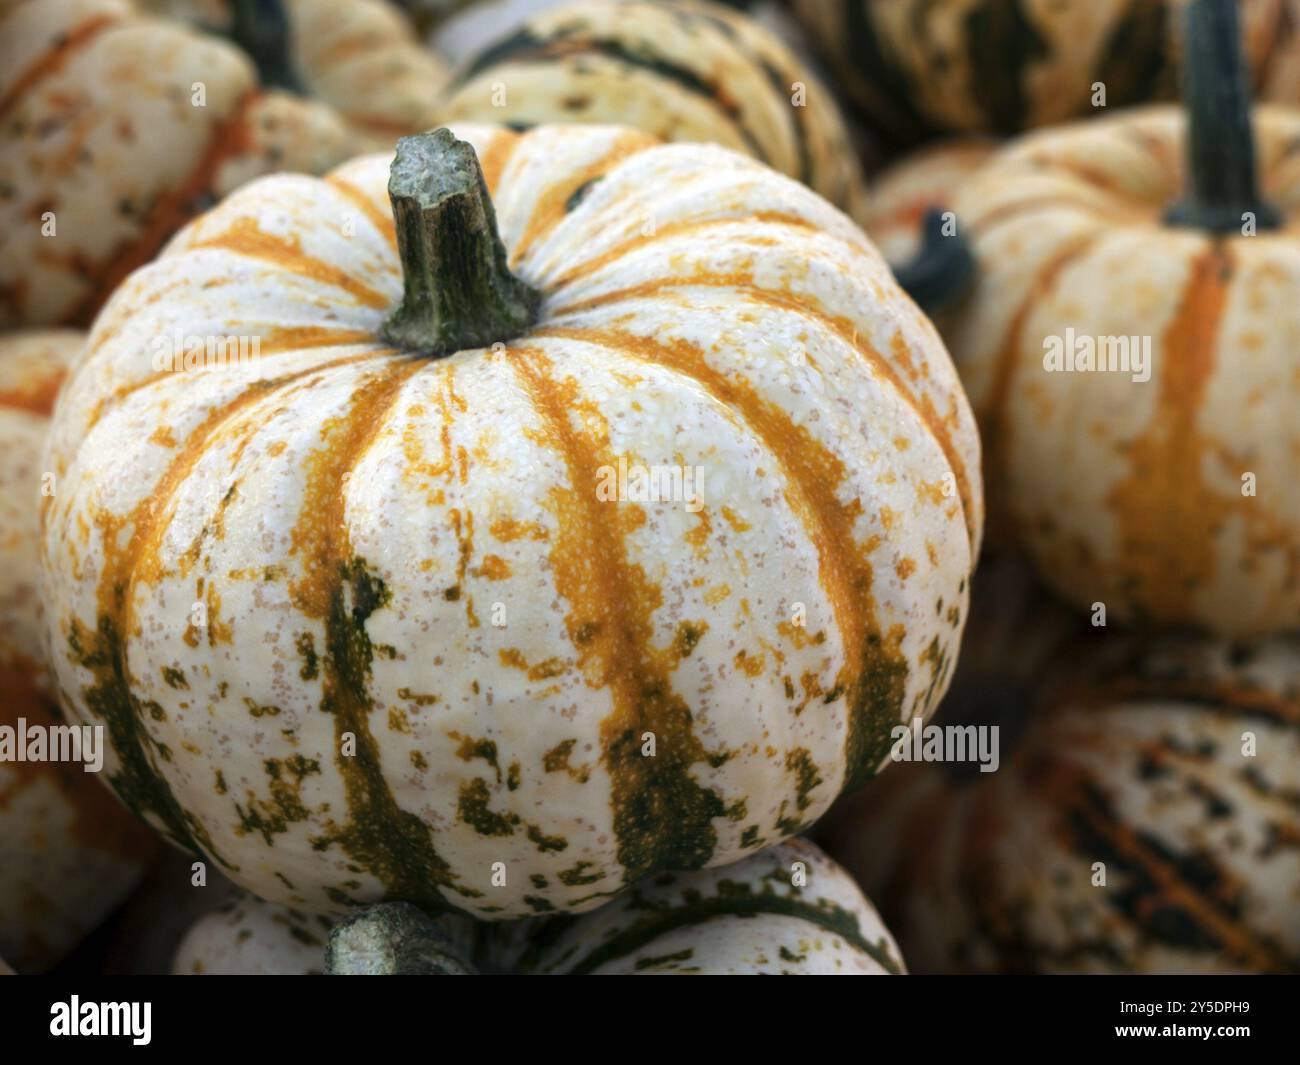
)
(921, 67)
(1136, 763)
(681, 71)
(98, 127)
(739, 920)
(1130, 493)
(248, 937)
(361, 57)
(412, 552)
(69, 852)
(746, 919)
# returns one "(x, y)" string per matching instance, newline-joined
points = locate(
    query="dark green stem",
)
(458, 291)
(943, 267)
(393, 939)
(1221, 187)
(261, 29)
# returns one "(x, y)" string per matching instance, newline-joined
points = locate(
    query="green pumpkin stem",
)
(261, 29)
(392, 939)
(941, 270)
(1221, 187)
(458, 289)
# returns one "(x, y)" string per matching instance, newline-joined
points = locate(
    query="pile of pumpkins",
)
(320, 352)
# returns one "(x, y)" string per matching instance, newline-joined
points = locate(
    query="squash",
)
(898, 199)
(248, 937)
(1170, 499)
(681, 71)
(746, 919)
(1163, 767)
(104, 154)
(68, 852)
(361, 57)
(751, 918)
(919, 68)
(398, 607)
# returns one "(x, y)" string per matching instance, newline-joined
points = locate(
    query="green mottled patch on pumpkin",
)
(256, 709)
(807, 777)
(306, 644)
(473, 809)
(389, 842)
(578, 875)
(174, 678)
(544, 842)
(470, 749)
(109, 699)
(270, 818)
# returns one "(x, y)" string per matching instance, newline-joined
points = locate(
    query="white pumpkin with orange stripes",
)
(115, 130)
(1130, 350)
(381, 613)
(69, 853)
(361, 57)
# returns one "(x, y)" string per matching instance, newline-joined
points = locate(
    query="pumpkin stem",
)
(943, 267)
(458, 289)
(392, 939)
(1221, 184)
(261, 29)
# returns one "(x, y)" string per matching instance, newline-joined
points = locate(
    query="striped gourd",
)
(787, 911)
(99, 168)
(1129, 349)
(68, 852)
(682, 71)
(1145, 822)
(898, 199)
(920, 67)
(392, 620)
(361, 57)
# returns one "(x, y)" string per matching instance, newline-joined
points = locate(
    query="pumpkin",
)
(361, 57)
(68, 852)
(1168, 499)
(399, 607)
(786, 911)
(1143, 823)
(899, 198)
(245, 936)
(105, 153)
(923, 67)
(682, 71)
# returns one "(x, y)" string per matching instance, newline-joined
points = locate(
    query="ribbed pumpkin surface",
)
(100, 130)
(1136, 494)
(68, 852)
(682, 71)
(360, 57)
(1142, 767)
(750, 918)
(919, 67)
(412, 552)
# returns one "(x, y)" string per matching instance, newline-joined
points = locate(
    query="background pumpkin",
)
(1137, 761)
(353, 520)
(68, 852)
(745, 919)
(361, 57)
(1138, 495)
(926, 67)
(98, 131)
(245, 936)
(897, 199)
(682, 71)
